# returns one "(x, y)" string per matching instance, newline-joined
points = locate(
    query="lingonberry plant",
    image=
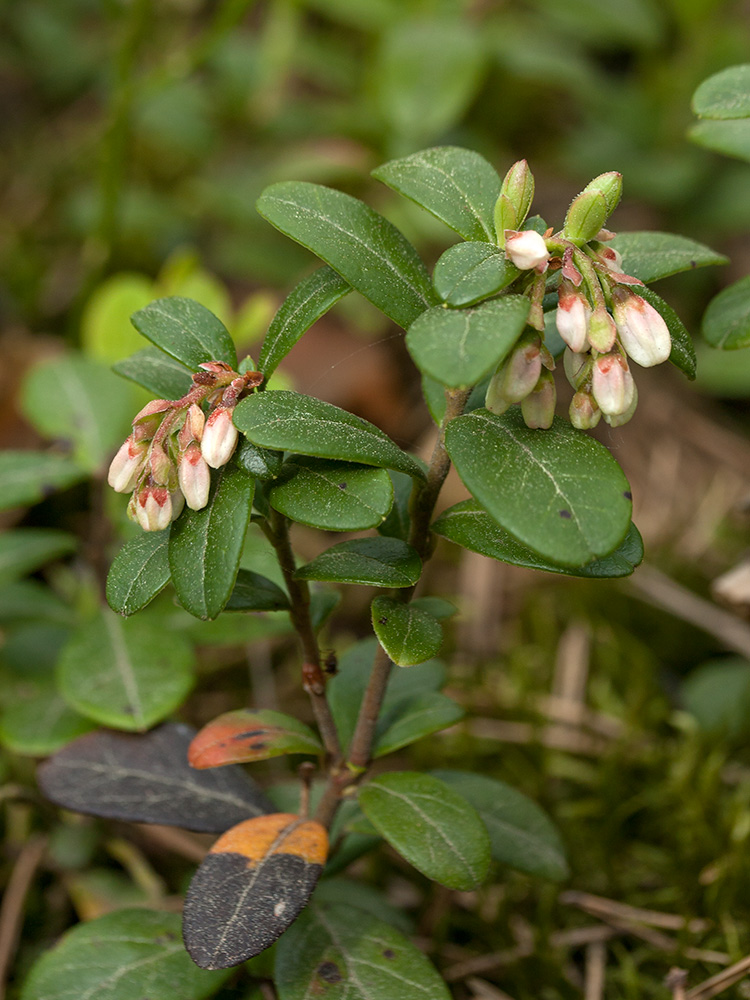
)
(221, 449)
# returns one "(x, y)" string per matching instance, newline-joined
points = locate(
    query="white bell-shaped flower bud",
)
(538, 408)
(643, 333)
(572, 316)
(194, 477)
(584, 413)
(127, 465)
(526, 249)
(153, 508)
(219, 437)
(612, 384)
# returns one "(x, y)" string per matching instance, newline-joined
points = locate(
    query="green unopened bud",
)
(538, 408)
(577, 367)
(584, 413)
(586, 216)
(609, 185)
(516, 195)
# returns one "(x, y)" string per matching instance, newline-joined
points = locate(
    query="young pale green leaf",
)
(724, 95)
(290, 421)
(456, 185)
(263, 463)
(468, 524)
(310, 300)
(139, 572)
(157, 372)
(346, 689)
(726, 322)
(363, 247)
(412, 719)
(75, 399)
(430, 825)
(26, 477)
(459, 347)
(23, 550)
(146, 778)
(36, 721)
(521, 834)
(186, 330)
(334, 496)
(717, 694)
(682, 354)
(338, 951)
(373, 562)
(254, 592)
(125, 955)
(469, 272)
(651, 256)
(408, 635)
(557, 491)
(732, 138)
(126, 674)
(205, 545)
(250, 734)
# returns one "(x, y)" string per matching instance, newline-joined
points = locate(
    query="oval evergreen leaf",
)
(126, 674)
(125, 955)
(290, 421)
(337, 950)
(651, 256)
(304, 305)
(724, 95)
(205, 545)
(408, 635)
(254, 592)
(412, 719)
(253, 883)
(334, 496)
(250, 734)
(458, 186)
(26, 477)
(732, 138)
(430, 825)
(360, 244)
(557, 491)
(186, 330)
(469, 524)
(726, 322)
(459, 347)
(373, 562)
(139, 572)
(157, 372)
(682, 354)
(469, 272)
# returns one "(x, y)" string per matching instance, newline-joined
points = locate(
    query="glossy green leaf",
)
(362, 896)
(456, 185)
(334, 496)
(469, 525)
(186, 330)
(125, 955)
(128, 674)
(469, 272)
(357, 242)
(414, 718)
(408, 635)
(398, 522)
(310, 300)
(339, 952)
(75, 399)
(521, 834)
(732, 138)
(651, 256)
(205, 545)
(430, 825)
(250, 734)
(557, 491)
(346, 689)
(263, 463)
(290, 421)
(726, 322)
(157, 372)
(254, 592)
(23, 550)
(36, 721)
(682, 354)
(459, 347)
(724, 95)
(26, 477)
(374, 562)
(139, 572)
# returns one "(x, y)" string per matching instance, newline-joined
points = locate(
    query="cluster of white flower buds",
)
(601, 319)
(165, 462)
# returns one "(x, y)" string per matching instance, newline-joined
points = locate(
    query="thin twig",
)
(596, 965)
(610, 909)
(14, 902)
(721, 981)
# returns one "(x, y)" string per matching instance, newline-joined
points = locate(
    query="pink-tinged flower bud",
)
(147, 421)
(577, 367)
(602, 331)
(572, 317)
(612, 384)
(612, 258)
(194, 477)
(216, 367)
(584, 413)
(494, 399)
(643, 332)
(192, 429)
(618, 419)
(219, 438)
(538, 408)
(520, 373)
(526, 249)
(153, 508)
(127, 465)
